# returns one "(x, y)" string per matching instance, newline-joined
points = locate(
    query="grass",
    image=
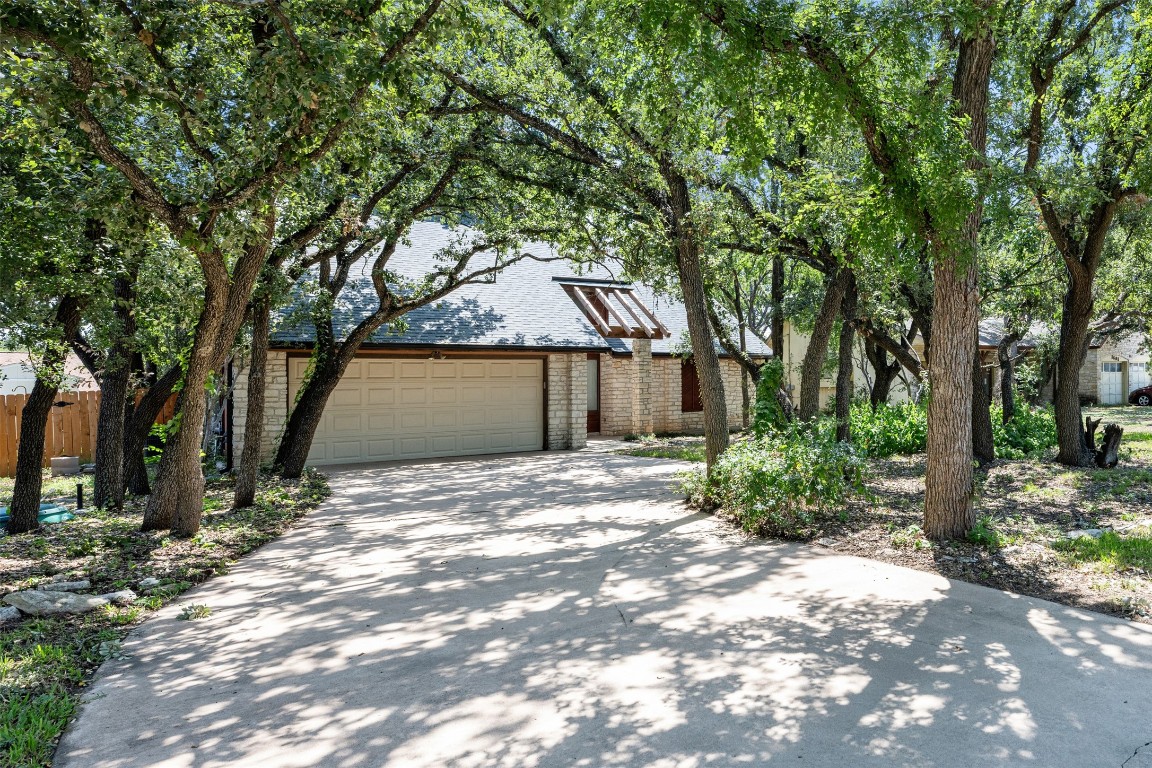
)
(677, 452)
(45, 663)
(54, 489)
(1111, 550)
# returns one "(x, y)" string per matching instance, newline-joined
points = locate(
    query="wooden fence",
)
(71, 428)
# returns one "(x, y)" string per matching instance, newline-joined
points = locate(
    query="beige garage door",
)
(389, 409)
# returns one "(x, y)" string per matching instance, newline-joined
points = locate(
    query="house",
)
(17, 376)
(1113, 367)
(538, 357)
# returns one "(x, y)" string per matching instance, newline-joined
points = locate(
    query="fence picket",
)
(70, 431)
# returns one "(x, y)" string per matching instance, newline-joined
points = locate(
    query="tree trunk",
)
(24, 510)
(844, 362)
(678, 219)
(885, 372)
(108, 482)
(778, 306)
(138, 425)
(305, 419)
(835, 286)
(983, 445)
(955, 315)
(177, 502)
(1072, 350)
(1005, 350)
(254, 418)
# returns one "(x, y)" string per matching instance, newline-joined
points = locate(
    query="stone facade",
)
(275, 405)
(640, 394)
(1128, 350)
(567, 393)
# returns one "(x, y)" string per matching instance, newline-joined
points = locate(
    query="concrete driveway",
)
(560, 609)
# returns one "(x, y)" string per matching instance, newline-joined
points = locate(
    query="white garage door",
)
(1111, 383)
(388, 409)
(1137, 376)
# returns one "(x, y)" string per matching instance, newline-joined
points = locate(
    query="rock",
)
(123, 597)
(1089, 533)
(9, 613)
(149, 582)
(67, 586)
(88, 469)
(46, 602)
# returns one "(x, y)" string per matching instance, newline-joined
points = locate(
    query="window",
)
(1111, 367)
(690, 401)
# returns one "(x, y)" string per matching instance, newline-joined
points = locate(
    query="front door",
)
(593, 365)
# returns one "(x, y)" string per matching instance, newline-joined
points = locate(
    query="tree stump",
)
(1090, 426)
(1107, 455)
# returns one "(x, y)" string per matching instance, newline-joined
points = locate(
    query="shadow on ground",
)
(561, 609)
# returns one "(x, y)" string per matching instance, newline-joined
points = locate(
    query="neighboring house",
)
(538, 358)
(1114, 367)
(17, 376)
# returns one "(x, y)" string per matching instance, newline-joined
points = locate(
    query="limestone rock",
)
(67, 586)
(9, 613)
(1088, 533)
(149, 582)
(123, 597)
(45, 602)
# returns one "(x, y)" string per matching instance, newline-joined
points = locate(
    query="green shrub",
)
(900, 428)
(903, 428)
(767, 415)
(1030, 434)
(782, 484)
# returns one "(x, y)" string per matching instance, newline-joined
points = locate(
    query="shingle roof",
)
(992, 331)
(521, 308)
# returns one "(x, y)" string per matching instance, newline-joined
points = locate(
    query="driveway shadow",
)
(566, 609)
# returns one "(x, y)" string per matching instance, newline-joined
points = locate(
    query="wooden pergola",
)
(614, 309)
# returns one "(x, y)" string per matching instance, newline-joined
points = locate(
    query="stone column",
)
(642, 417)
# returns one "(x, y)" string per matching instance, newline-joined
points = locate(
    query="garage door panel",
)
(473, 394)
(346, 396)
(442, 395)
(346, 422)
(381, 370)
(378, 395)
(409, 409)
(473, 443)
(410, 395)
(444, 419)
(413, 447)
(413, 420)
(413, 370)
(381, 450)
(346, 449)
(381, 422)
(443, 444)
(471, 417)
(497, 416)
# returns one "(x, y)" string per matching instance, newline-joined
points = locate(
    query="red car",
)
(1142, 396)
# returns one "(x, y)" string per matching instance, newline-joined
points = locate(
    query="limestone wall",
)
(641, 394)
(567, 395)
(275, 404)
